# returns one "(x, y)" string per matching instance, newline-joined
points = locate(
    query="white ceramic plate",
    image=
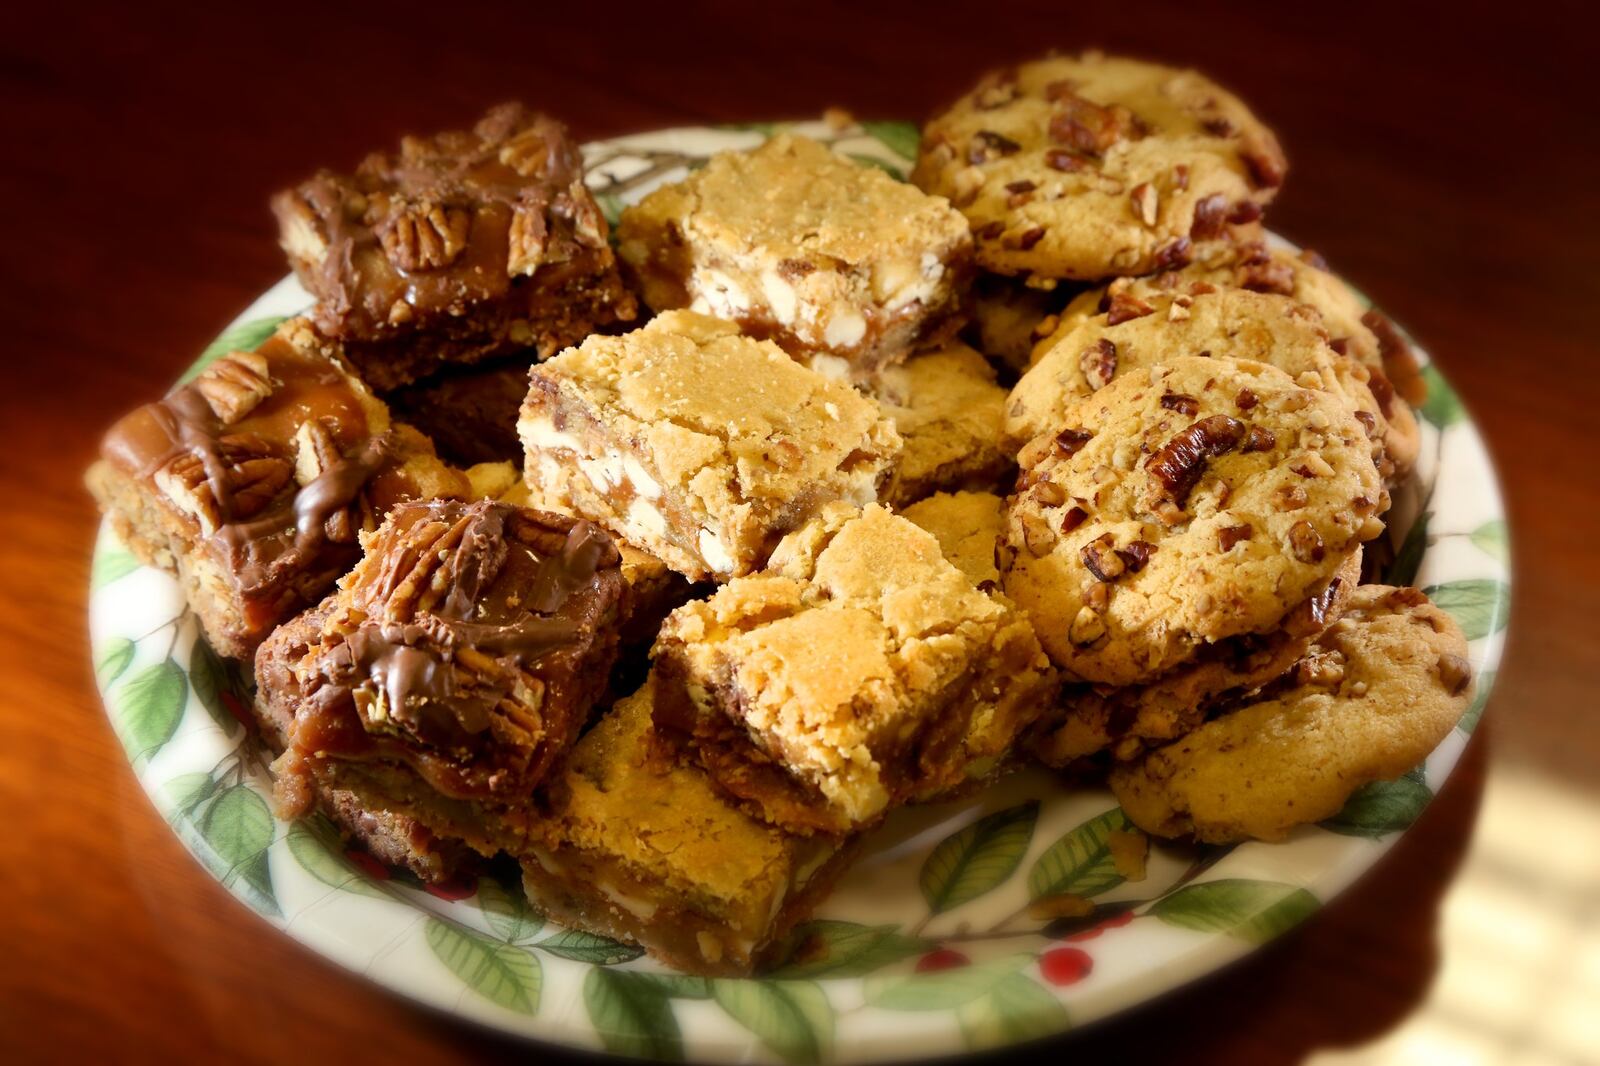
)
(925, 948)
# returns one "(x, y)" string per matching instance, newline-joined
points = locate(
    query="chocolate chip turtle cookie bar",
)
(698, 444)
(859, 671)
(837, 262)
(457, 248)
(252, 482)
(454, 666)
(642, 847)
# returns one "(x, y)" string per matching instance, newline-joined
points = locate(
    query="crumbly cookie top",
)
(619, 797)
(1181, 505)
(1088, 167)
(967, 525)
(702, 399)
(1373, 696)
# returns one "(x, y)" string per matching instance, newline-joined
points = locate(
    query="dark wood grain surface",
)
(1446, 160)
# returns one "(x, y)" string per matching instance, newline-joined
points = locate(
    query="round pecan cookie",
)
(1183, 505)
(1090, 166)
(1137, 331)
(1377, 692)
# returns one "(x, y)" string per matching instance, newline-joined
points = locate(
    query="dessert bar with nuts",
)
(860, 671)
(252, 482)
(644, 848)
(455, 664)
(837, 262)
(470, 415)
(455, 249)
(697, 444)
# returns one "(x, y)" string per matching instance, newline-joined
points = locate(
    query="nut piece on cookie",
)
(697, 444)
(950, 413)
(1146, 330)
(455, 664)
(1377, 692)
(967, 526)
(641, 847)
(1090, 166)
(1183, 505)
(860, 671)
(459, 247)
(252, 482)
(837, 262)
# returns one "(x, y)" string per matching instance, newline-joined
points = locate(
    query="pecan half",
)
(1179, 463)
(423, 236)
(1098, 363)
(234, 385)
(529, 234)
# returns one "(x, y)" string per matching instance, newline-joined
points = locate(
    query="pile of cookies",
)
(668, 562)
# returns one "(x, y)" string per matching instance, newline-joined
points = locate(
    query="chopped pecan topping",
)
(1244, 212)
(1306, 542)
(1069, 441)
(1174, 254)
(987, 144)
(1102, 559)
(1209, 215)
(1259, 440)
(1271, 275)
(1176, 401)
(1324, 670)
(1073, 518)
(529, 234)
(1368, 420)
(1246, 400)
(1087, 627)
(251, 478)
(234, 385)
(1025, 239)
(1136, 554)
(1126, 308)
(1455, 673)
(1180, 462)
(1290, 497)
(1049, 494)
(1020, 186)
(1146, 202)
(1228, 536)
(1062, 160)
(1037, 535)
(1098, 363)
(423, 236)
(1084, 125)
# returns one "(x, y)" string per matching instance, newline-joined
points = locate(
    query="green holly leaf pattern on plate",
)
(1480, 698)
(184, 793)
(244, 337)
(508, 913)
(1017, 1009)
(611, 207)
(1256, 911)
(941, 989)
(114, 660)
(109, 565)
(211, 677)
(1478, 604)
(1381, 807)
(632, 1014)
(831, 948)
(678, 985)
(1403, 569)
(510, 977)
(586, 947)
(1443, 407)
(978, 858)
(1080, 862)
(1494, 539)
(901, 138)
(792, 1018)
(151, 706)
(316, 847)
(237, 824)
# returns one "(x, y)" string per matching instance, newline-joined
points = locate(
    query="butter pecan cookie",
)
(1377, 692)
(1182, 505)
(1136, 331)
(1090, 166)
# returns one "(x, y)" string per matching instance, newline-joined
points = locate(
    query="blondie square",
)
(643, 848)
(697, 444)
(457, 248)
(861, 670)
(251, 482)
(950, 414)
(968, 526)
(458, 661)
(827, 257)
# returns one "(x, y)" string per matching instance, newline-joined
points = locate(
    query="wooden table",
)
(1446, 162)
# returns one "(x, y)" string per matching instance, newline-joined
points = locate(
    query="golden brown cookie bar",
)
(460, 657)
(1086, 353)
(1375, 694)
(1183, 505)
(1092, 166)
(861, 670)
(643, 848)
(950, 413)
(697, 444)
(252, 482)
(967, 526)
(457, 248)
(825, 256)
